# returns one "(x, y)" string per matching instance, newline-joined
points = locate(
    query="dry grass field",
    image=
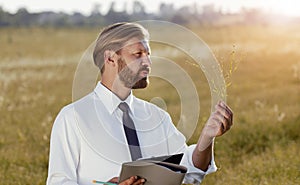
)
(261, 65)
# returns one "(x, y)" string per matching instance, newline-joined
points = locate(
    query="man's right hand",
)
(134, 180)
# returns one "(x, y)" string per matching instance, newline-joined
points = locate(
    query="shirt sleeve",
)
(176, 144)
(195, 175)
(64, 151)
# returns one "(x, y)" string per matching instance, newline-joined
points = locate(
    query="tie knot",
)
(124, 107)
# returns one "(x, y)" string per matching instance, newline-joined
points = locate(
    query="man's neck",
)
(117, 88)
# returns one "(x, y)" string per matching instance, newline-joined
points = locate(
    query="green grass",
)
(37, 67)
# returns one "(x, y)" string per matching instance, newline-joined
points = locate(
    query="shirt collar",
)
(110, 100)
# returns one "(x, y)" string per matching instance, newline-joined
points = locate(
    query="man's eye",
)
(138, 54)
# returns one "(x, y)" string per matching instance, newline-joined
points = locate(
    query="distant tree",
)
(253, 16)
(208, 10)
(23, 18)
(209, 14)
(113, 16)
(138, 8)
(77, 19)
(4, 17)
(186, 15)
(96, 9)
(166, 11)
(183, 16)
(125, 7)
(112, 7)
(96, 18)
(138, 11)
(61, 20)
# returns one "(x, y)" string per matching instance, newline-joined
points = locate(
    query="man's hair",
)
(114, 38)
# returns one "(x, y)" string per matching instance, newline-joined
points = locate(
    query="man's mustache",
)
(145, 68)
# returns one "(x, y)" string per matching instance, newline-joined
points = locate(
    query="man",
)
(92, 137)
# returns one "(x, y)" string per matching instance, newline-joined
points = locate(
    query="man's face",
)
(134, 64)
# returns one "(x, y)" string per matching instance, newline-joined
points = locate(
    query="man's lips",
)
(144, 72)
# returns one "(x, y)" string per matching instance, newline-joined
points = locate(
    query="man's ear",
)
(109, 57)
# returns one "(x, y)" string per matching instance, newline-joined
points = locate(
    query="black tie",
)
(130, 133)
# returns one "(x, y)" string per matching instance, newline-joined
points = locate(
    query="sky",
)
(285, 7)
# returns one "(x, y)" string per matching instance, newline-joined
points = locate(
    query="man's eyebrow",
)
(146, 50)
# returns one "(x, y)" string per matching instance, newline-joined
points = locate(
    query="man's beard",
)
(129, 78)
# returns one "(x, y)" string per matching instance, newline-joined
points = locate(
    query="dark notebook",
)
(175, 159)
(156, 170)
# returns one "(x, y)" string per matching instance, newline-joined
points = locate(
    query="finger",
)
(224, 124)
(223, 104)
(139, 182)
(129, 181)
(114, 180)
(222, 120)
(225, 112)
(222, 111)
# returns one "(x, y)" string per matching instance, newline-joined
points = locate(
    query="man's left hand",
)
(220, 121)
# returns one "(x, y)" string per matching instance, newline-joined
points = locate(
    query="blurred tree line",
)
(186, 15)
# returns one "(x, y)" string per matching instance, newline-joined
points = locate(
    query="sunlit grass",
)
(36, 73)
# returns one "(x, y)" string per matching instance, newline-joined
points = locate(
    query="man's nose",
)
(146, 61)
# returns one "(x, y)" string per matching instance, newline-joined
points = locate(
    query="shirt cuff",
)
(195, 175)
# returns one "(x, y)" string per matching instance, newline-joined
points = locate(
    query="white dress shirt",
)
(88, 141)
